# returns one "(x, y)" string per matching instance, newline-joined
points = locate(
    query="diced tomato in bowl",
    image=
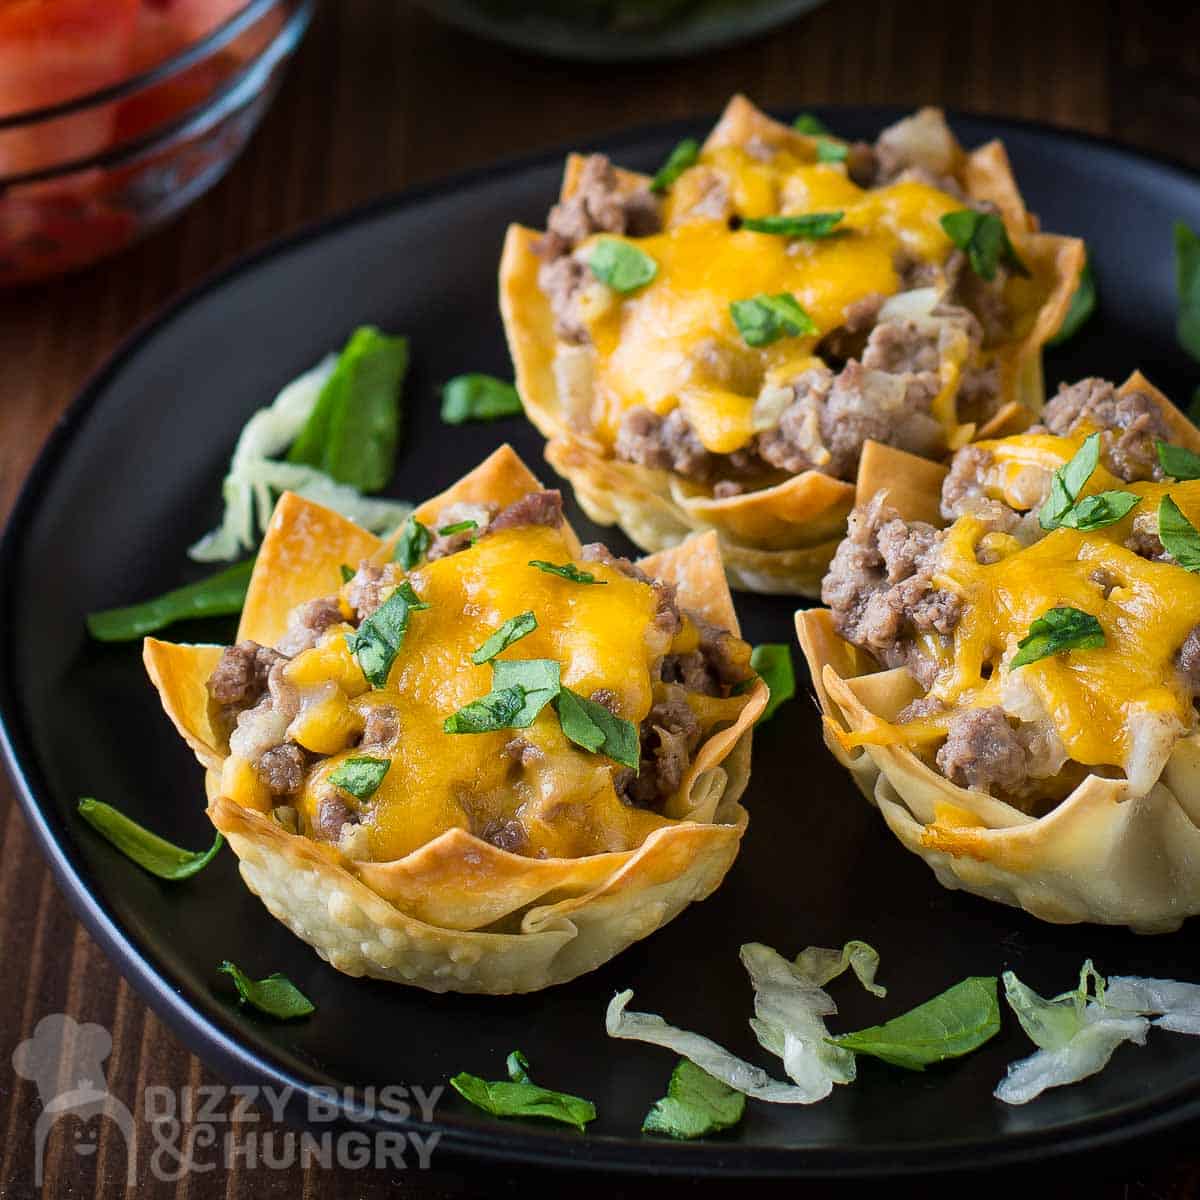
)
(79, 184)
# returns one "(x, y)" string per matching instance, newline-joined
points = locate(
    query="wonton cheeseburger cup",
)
(478, 757)
(711, 349)
(1010, 670)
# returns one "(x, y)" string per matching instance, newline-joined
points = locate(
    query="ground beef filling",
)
(598, 206)
(883, 375)
(880, 589)
(1129, 424)
(256, 704)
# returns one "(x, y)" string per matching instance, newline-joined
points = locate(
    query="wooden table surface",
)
(381, 96)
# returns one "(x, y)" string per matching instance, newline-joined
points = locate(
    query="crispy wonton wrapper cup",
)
(459, 914)
(1100, 855)
(779, 539)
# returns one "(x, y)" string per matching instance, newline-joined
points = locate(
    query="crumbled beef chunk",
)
(1188, 659)
(1131, 424)
(978, 394)
(670, 444)
(880, 588)
(598, 206)
(861, 165)
(240, 677)
(282, 769)
(445, 544)
(562, 280)
(666, 616)
(1143, 538)
(724, 488)
(831, 417)
(332, 813)
(893, 409)
(307, 622)
(719, 663)
(915, 272)
(925, 706)
(984, 298)
(849, 338)
(982, 752)
(536, 508)
(365, 592)
(265, 725)
(796, 444)
(381, 727)
(522, 751)
(964, 491)
(669, 734)
(506, 834)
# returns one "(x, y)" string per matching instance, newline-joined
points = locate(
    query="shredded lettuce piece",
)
(1176, 1004)
(256, 477)
(1076, 1033)
(823, 965)
(790, 1005)
(738, 1074)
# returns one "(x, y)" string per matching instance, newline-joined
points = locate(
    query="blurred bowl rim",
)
(248, 15)
(239, 88)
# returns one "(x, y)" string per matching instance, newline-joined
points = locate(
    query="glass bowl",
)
(83, 178)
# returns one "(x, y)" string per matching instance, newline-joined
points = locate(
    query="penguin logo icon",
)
(65, 1061)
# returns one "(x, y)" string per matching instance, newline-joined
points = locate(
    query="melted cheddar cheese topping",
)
(603, 636)
(660, 346)
(1101, 701)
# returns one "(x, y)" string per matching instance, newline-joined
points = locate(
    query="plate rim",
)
(497, 1141)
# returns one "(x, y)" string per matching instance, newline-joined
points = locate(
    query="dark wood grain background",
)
(379, 97)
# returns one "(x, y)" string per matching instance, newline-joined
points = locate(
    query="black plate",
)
(131, 477)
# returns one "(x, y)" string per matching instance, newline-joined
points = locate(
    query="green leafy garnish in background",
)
(566, 571)
(476, 397)
(352, 432)
(148, 850)
(513, 630)
(621, 265)
(1177, 462)
(346, 571)
(277, 995)
(519, 1096)
(220, 595)
(683, 156)
(773, 663)
(958, 1021)
(360, 775)
(413, 544)
(1178, 535)
(764, 319)
(696, 1104)
(985, 240)
(1083, 304)
(1069, 480)
(1058, 629)
(1187, 283)
(377, 641)
(808, 225)
(590, 725)
(811, 125)
(829, 151)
